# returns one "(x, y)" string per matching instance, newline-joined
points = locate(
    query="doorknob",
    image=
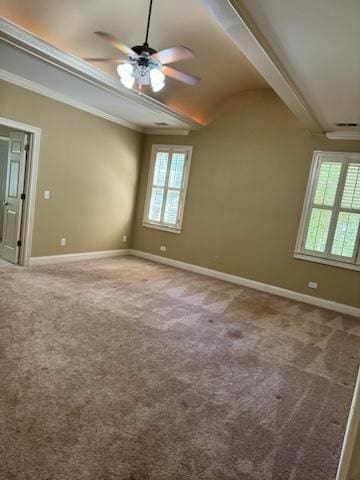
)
(6, 204)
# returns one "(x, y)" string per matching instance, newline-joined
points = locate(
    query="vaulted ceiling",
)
(307, 51)
(69, 25)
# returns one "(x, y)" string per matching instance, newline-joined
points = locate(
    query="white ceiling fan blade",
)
(181, 76)
(173, 54)
(116, 43)
(111, 60)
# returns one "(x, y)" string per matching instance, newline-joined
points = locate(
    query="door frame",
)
(30, 186)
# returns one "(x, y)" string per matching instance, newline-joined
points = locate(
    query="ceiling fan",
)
(146, 66)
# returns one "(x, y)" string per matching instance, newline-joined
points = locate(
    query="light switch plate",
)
(46, 194)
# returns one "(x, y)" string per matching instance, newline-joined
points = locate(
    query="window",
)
(165, 197)
(330, 223)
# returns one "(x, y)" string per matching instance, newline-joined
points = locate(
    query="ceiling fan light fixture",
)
(157, 79)
(125, 69)
(158, 87)
(125, 72)
(144, 65)
(127, 81)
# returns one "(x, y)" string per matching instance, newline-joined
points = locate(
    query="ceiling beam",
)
(236, 21)
(167, 131)
(343, 135)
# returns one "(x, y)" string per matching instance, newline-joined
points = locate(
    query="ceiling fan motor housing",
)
(144, 60)
(143, 49)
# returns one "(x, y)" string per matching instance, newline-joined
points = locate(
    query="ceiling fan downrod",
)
(148, 24)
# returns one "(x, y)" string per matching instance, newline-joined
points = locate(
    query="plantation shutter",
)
(167, 187)
(333, 222)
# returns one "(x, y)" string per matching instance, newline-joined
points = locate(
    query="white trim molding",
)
(351, 434)
(246, 282)
(30, 188)
(167, 131)
(226, 277)
(48, 92)
(343, 135)
(164, 228)
(327, 261)
(77, 257)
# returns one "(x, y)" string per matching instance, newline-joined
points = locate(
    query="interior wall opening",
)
(14, 185)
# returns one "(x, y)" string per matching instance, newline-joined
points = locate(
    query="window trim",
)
(187, 149)
(300, 252)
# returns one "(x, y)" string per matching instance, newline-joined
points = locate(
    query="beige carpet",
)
(124, 369)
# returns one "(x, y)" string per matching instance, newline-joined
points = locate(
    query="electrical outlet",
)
(163, 248)
(312, 285)
(63, 242)
(124, 238)
(46, 194)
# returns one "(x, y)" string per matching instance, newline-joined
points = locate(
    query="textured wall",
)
(246, 190)
(90, 165)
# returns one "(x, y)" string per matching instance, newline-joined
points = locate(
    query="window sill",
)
(164, 228)
(327, 261)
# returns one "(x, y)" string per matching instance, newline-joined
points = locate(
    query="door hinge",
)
(19, 243)
(27, 148)
(22, 196)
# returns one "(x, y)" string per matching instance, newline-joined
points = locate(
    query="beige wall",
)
(90, 165)
(246, 189)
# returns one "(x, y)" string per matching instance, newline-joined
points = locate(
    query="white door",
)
(4, 150)
(13, 196)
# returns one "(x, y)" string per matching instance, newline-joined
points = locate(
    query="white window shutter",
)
(167, 185)
(330, 224)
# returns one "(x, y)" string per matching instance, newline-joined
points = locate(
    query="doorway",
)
(4, 149)
(19, 150)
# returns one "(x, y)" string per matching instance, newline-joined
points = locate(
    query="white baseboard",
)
(75, 257)
(227, 277)
(264, 287)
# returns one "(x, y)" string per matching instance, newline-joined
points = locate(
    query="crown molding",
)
(26, 41)
(236, 21)
(343, 135)
(47, 92)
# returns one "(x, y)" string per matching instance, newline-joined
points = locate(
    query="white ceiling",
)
(317, 41)
(69, 25)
